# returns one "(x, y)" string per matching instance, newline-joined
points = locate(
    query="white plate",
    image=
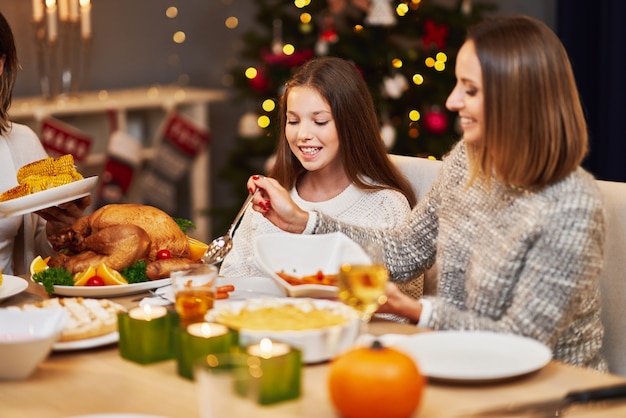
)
(303, 255)
(317, 345)
(473, 356)
(48, 198)
(245, 288)
(11, 286)
(87, 343)
(111, 290)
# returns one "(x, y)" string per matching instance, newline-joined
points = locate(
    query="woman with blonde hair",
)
(516, 224)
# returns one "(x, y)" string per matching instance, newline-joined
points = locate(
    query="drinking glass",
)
(362, 286)
(194, 291)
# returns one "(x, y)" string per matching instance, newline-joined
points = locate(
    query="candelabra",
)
(63, 44)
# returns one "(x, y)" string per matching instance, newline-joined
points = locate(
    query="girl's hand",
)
(275, 203)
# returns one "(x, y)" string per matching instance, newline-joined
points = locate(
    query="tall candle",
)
(282, 369)
(64, 11)
(85, 19)
(51, 19)
(37, 10)
(74, 11)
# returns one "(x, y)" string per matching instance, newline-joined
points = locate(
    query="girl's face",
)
(310, 130)
(467, 96)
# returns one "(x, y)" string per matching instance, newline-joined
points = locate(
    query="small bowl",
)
(317, 344)
(26, 338)
(303, 255)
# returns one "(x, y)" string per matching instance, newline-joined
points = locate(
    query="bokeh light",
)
(251, 72)
(179, 37)
(418, 79)
(231, 22)
(263, 121)
(414, 115)
(171, 12)
(268, 105)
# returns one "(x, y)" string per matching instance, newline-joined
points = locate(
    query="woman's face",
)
(310, 129)
(467, 96)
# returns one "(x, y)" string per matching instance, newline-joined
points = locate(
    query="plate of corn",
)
(45, 183)
(47, 198)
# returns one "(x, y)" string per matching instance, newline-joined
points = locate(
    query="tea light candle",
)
(200, 339)
(282, 370)
(51, 19)
(85, 18)
(147, 334)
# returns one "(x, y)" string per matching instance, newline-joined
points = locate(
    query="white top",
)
(19, 147)
(382, 209)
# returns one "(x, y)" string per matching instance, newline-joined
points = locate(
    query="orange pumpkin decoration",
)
(374, 382)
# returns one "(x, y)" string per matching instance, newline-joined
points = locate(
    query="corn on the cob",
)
(43, 174)
(47, 167)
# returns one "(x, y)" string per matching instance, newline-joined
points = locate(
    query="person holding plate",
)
(22, 238)
(517, 226)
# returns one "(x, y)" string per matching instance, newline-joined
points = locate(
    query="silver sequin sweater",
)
(508, 261)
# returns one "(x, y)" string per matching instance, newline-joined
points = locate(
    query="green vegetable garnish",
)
(135, 273)
(54, 276)
(184, 224)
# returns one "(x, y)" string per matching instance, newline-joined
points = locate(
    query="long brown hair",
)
(361, 148)
(535, 132)
(7, 79)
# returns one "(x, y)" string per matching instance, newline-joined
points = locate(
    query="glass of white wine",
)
(362, 286)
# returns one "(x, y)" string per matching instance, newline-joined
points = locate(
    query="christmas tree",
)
(404, 49)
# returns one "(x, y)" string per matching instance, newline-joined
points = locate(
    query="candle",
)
(85, 19)
(147, 334)
(37, 10)
(51, 19)
(148, 312)
(74, 11)
(64, 12)
(282, 369)
(200, 339)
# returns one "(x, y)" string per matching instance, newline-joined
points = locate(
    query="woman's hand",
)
(275, 203)
(64, 215)
(400, 304)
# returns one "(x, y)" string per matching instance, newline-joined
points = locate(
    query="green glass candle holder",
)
(281, 367)
(200, 339)
(147, 334)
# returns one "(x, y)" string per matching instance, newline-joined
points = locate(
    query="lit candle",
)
(51, 19)
(37, 10)
(148, 312)
(200, 339)
(74, 11)
(64, 11)
(147, 334)
(85, 18)
(282, 370)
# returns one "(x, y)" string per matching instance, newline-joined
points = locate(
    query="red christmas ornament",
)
(260, 82)
(435, 34)
(293, 60)
(435, 122)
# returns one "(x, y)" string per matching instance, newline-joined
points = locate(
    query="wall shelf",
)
(140, 112)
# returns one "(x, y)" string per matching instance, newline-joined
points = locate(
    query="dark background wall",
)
(132, 46)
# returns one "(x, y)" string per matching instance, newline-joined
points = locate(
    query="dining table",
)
(97, 381)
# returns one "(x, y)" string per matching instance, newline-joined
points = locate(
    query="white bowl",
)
(317, 345)
(26, 338)
(302, 255)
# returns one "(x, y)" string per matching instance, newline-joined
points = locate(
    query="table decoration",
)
(282, 370)
(200, 339)
(147, 334)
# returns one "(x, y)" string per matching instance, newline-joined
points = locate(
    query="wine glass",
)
(362, 286)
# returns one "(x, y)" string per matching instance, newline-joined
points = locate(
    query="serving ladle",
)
(220, 246)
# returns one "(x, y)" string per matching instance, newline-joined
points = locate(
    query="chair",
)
(421, 173)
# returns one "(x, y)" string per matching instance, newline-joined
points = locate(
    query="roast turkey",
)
(118, 235)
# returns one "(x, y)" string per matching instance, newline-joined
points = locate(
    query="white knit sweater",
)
(509, 261)
(384, 209)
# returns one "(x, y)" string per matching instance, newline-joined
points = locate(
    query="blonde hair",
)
(535, 132)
